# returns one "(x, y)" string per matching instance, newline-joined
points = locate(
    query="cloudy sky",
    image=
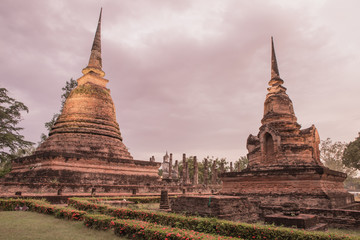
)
(188, 76)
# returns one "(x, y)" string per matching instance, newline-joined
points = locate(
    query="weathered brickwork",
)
(225, 207)
(284, 161)
(84, 152)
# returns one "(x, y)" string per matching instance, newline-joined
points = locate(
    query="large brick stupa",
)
(84, 151)
(284, 162)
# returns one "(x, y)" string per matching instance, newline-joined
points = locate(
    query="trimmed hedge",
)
(70, 214)
(41, 206)
(87, 205)
(207, 225)
(144, 230)
(151, 199)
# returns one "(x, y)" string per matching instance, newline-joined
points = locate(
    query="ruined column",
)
(196, 172)
(170, 166)
(187, 173)
(152, 159)
(176, 170)
(206, 172)
(184, 169)
(231, 167)
(222, 168)
(214, 173)
(164, 200)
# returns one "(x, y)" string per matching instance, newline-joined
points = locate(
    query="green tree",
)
(11, 141)
(331, 155)
(219, 163)
(201, 167)
(241, 163)
(69, 86)
(351, 156)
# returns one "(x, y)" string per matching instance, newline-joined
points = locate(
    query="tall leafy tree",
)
(331, 154)
(351, 156)
(11, 141)
(69, 86)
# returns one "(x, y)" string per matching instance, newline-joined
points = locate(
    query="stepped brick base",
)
(65, 173)
(305, 186)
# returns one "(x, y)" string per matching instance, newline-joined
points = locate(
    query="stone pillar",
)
(196, 172)
(170, 166)
(164, 200)
(59, 192)
(176, 170)
(187, 173)
(152, 159)
(231, 167)
(238, 168)
(214, 173)
(222, 168)
(206, 172)
(184, 169)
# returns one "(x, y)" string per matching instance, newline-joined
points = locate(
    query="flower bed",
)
(70, 214)
(87, 205)
(15, 204)
(144, 230)
(41, 206)
(207, 225)
(152, 199)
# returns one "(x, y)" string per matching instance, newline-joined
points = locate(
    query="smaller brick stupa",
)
(284, 160)
(84, 152)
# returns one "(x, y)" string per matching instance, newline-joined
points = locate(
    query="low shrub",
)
(98, 222)
(150, 199)
(70, 214)
(44, 208)
(15, 204)
(144, 230)
(41, 206)
(87, 205)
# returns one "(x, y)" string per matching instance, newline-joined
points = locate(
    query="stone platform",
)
(224, 207)
(315, 186)
(303, 221)
(71, 173)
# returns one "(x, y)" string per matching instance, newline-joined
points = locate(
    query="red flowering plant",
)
(86, 205)
(98, 222)
(144, 230)
(70, 214)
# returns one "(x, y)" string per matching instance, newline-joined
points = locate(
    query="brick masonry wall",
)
(224, 207)
(336, 218)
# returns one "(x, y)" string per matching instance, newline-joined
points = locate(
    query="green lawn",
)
(30, 225)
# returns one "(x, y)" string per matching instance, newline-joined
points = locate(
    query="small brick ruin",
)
(284, 167)
(84, 152)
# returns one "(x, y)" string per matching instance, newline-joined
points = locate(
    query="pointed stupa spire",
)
(275, 75)
(274, 67)
(95, 61)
